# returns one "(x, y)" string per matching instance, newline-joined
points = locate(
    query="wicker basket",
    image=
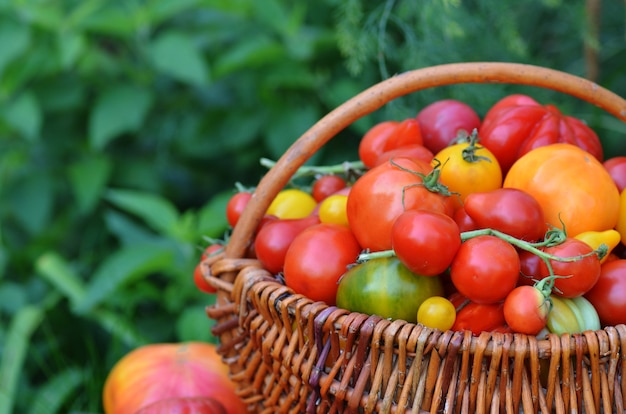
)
(289, 354)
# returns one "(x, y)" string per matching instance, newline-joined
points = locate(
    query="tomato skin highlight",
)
(608, 296)
(425, 241)
(317, 258)
(485, 269)
(387, 288)
(526, 310)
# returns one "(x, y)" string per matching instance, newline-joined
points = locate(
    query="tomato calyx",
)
(430, 181)
(469, 153)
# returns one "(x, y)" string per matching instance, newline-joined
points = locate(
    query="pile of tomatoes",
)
(511, 223)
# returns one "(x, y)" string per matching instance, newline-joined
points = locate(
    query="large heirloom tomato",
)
(161, 371)
(571, 186)
(379, 196)
(387, 288)
(441, 123)
(518, 124)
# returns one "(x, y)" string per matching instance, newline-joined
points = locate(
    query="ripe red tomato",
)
(407, 132)
(380, 195)
(478, 317)
(235, 206)
(176, 370)
(608, 296)
(485, 269)
(521, 124)
(327, 185)
(442, 121)
(194, 405)
(579, 276)
(463, 220)
(274, 238)
(616, 167)
(373, 142)
(425, 241)
(317, 258)
(509, 210)
(198, 277)
(526, 309)
(416, 151)
(529, 267)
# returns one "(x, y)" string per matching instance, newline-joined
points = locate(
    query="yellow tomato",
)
(467, 168)
(292, 203)
(333, 210)
(621, 221)
(436, 312)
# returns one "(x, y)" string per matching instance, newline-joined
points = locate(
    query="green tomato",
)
(387, 288)
(571, 316)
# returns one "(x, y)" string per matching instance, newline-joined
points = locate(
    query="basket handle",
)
(378, 95)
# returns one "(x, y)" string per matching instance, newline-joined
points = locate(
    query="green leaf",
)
(175, 54)
(249, 53)
(49, 397)
(120, 327)
(119, 109)
(24, 114)
(14, 38)
(88, 178)
(70, 46)
(56, 270)
(126, 230)
(212, 217)
(288, 127)
(157, 212)
(194, 325)
(12, 297)
(32, 201)
(120, 268)
(14, 353)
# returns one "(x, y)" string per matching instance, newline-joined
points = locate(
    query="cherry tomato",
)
(274, 238)
(441, 123)
(478, 317)
(485, 269)
(616, 167)
(415, 151)
(436, 312)
(508, 210)
(235, 206)
(468, 167)
(198, 277)
(333, 210)
(425, 241)
(608, 296)
(529, 268)
(407, 132)
(526, 309)
(578, 276)
(373, 142)
(327, 185)
(380, 195)
(292, 203)
(317, 258)
(463, 220)
(521, 124)
(385, 287)
(571, 186)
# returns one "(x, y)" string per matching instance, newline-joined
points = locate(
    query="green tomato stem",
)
(313, 170)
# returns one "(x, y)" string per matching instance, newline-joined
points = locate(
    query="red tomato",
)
(509, 210)
(442, 121)
(579, 276)
(235, 206)
(519, 125)
(463, 220)
(485, 269)
(425, 241)
(198, 277)
(275, 237)
(608, 296)
(406, 133)
(373, 142)
(526, 309)
(415, 151)
(380, 195)
(529, 268)
(317, 258)
(177, 370)
(479, 318)
(194, 405)
(616, 167)
(327, 185)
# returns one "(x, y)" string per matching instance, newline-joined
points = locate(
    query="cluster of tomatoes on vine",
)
(508, 217)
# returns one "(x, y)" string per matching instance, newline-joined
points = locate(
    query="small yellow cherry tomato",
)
(292, 203)
(333, 210)
(436, 312)
(594, 239)
(467, 168)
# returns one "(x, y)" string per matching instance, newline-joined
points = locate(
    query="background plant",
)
(125, 124)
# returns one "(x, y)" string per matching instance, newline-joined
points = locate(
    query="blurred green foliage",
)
(124, 126)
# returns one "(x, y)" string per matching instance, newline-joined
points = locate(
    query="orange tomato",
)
(571, 186)
(621, 222)
(158, 371)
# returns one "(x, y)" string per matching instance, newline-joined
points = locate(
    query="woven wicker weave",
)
(289, 354)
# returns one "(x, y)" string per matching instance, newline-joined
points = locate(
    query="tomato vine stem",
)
(313, 170)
